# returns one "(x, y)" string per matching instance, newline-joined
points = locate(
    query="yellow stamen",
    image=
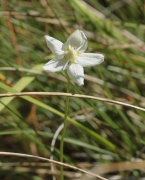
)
(71, 54)
(78, 53)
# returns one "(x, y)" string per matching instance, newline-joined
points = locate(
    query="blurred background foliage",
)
(101, 136)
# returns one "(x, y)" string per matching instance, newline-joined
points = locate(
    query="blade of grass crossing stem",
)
(100, 139)
(19, 86)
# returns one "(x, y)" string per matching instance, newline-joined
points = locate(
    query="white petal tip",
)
(47, 68)
(81, 82)
(101, 57)
(44, 68)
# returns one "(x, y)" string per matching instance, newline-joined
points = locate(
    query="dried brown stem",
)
(12, 34)
(71, 95)
(51, 161)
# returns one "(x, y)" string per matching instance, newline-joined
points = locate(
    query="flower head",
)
(70, 56)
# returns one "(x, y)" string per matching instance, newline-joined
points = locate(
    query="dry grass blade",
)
(71, 95)
(12, 33)
(115, 167)
(49, 160)
(118, 167)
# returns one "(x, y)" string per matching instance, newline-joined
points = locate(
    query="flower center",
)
(71, 54)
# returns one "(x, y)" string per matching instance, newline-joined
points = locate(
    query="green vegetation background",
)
(98, 132)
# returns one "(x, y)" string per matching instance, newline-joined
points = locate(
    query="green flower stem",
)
(64, 130)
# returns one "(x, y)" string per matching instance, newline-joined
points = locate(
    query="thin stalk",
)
(64, 130)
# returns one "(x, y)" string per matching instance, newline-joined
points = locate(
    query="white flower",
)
(71, 57)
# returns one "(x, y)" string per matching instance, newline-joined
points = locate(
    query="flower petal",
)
(76, 73)
(78, 40)
(55, 46)
(90, 59)
(56, 65)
